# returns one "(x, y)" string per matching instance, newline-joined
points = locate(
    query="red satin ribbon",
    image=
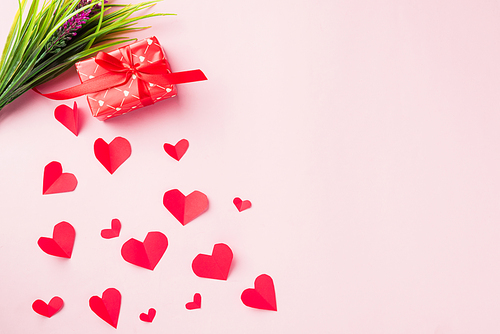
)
(119, 72)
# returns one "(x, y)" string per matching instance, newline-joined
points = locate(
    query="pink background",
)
(365, 133)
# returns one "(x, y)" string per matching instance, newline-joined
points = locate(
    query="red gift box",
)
(139, 62)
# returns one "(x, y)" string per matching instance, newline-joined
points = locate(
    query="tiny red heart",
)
(148, 317)
(55, 181)
(113, 155)
(108, 307)
(54, 306)
(145, 254)
(62, 241)
(263, 296)
(196, 303)
(214, 266)
(114, 231)
(68, 117)
(185, 208)
(177, 151)
(241, 205)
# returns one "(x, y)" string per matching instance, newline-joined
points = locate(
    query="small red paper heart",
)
(55, 181)
(241, 205)
(263, 296)
(68, 117)
(54, 306)
(108, 307)
(178, 150)
(196, 303)
(214, 266)
(148, 317)
(114, 231)
(62, 241)
(185, 208)
(145, 254)
(113, 155)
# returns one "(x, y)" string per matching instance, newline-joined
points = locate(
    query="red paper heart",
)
(241, 205)
(113, 155)
(68, 117)
(62, 241)
(145, 254)
(54, 306)
(108, 307)
(196, 303)
(178, 150)
(114, 231)
(263, 296)
(185, 208)
(214, 266)
(55, 181)
(148, 317)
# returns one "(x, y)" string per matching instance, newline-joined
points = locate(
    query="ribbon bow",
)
(120, 72)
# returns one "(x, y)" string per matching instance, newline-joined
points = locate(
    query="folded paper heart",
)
(114, 231)
(55, 181)
(62, 241)
(108, 307)
(241, 205)
(117, 73)
(48, 310)
(113, 155)
(68, 117)
(145, 254)
(148, 317)
(214, 266)
(196, 303)
(263, 296)
(177, 151)
(185, 208)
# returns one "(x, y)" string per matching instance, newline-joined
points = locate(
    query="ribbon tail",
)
(96, 84)
(186, 76)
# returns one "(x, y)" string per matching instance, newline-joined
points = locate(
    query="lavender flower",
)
(69, 29)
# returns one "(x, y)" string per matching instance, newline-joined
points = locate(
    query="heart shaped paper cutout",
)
(185, 208)
(241, 205)
(263, 296)
(113, 155)
(148, 317)
(48, 310)
(68, 117)
(55, 181)
(214, 266)
(62, 241)
(108, 307)
(196, 303)
(145, 254)
(177, 151)
(114, 231)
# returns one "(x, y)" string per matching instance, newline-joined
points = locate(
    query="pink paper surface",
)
(365, 134)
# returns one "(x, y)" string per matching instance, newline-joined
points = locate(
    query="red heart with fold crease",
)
(185, 208)
(196, 303)
(114, 154)
(262, 296)
(62, 241)
(55, 181)
(241, 205)
(108, 307)
(114, 231)
(68, 117)
(148, 317)
(177, 151)
(145, 254)
(48, 310)
(214, 266)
